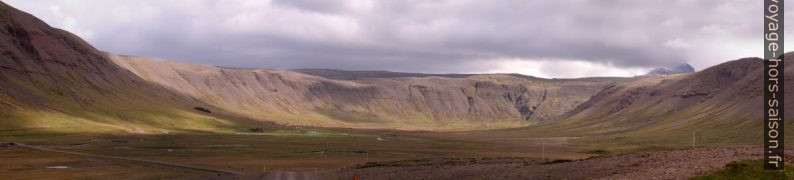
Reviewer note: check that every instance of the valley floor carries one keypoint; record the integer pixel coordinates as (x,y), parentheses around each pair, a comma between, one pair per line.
(675,164)
(314,153)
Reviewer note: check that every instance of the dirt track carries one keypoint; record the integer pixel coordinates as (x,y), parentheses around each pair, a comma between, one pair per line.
(288,175)
(160,163)
(270,175)
(677,164)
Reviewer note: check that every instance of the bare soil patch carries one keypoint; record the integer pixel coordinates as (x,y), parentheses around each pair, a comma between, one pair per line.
(676,164)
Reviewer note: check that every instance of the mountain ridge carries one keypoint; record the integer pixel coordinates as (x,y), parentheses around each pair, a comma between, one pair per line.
(721,104)
(53,79)
(419,100)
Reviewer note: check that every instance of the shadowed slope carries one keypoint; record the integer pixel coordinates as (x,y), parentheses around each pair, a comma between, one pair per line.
(52,79)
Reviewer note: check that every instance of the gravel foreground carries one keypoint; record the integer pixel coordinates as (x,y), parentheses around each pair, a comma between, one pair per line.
(675,164)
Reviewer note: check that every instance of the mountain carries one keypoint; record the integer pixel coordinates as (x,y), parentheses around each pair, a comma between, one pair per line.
(357,75)
(54,81)
(683,68)
(369,99)
(722,102)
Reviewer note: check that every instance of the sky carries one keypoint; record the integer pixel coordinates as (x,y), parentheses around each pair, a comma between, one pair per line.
(552,39)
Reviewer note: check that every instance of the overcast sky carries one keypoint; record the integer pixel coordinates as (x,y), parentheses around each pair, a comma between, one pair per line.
(545,38)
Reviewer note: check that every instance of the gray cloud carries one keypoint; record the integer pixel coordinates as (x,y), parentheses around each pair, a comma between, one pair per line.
(415,35)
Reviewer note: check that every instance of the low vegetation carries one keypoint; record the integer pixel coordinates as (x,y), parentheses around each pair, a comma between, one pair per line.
(748,169)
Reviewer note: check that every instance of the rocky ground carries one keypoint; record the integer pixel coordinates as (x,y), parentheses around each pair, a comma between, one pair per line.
(676,164)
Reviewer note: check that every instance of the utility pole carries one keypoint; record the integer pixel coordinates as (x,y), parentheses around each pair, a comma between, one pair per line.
(693,139)
(543,149)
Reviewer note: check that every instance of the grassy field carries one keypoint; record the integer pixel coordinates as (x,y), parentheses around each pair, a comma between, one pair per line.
(293,149)
(253,147)
(304,149)
(21,163)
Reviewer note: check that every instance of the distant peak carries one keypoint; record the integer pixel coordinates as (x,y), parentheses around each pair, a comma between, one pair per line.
(686,67)
(683,68)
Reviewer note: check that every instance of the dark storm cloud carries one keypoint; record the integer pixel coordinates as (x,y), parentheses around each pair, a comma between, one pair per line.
(415,35)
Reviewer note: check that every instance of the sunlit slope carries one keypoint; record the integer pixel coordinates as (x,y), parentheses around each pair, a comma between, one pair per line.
(54,81)
(722,105)
(372,99)
(51,80)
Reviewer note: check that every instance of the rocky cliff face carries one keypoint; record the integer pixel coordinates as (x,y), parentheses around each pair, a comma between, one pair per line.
(371,99)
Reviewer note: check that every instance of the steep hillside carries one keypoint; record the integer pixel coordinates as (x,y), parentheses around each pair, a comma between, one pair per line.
(55,81)
(372,99)
(52,80)
(721,103)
